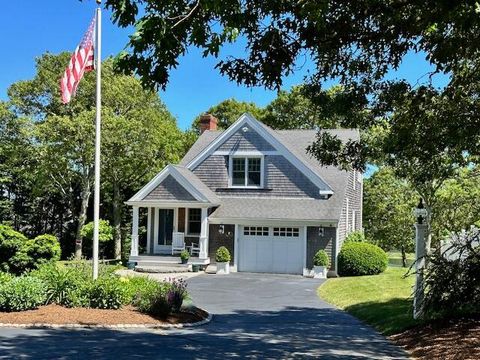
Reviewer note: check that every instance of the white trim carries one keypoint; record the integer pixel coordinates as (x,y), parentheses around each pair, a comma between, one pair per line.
(149,227)
(187,233)
(162,175)
(246,157)
(169,204)
(273,222)
(235,246)
(304,240)
(245,152)
(282,149)
(156,224)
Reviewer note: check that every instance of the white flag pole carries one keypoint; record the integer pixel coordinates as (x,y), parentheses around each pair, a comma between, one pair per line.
(96,201)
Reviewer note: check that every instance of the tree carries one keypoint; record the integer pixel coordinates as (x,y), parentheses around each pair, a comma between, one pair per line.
(228,111)
(388,212)
(138,134)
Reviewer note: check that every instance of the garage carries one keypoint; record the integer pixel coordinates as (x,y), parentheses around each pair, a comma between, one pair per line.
(271,249)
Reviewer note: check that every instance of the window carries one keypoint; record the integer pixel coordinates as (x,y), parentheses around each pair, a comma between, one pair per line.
(194,222)
(286,231)
(246,171)
(255,230)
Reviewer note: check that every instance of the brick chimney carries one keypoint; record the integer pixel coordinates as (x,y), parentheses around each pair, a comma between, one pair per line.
(208,122)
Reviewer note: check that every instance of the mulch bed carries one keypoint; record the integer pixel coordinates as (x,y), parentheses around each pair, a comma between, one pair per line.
(448,339)
(55,314)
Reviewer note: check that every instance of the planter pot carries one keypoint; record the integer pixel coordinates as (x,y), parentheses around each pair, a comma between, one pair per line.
(131,265)
(320,272)
(184,261)
(223,268)
(195,267)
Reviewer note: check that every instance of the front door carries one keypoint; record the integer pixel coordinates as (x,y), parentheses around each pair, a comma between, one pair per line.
(163,241)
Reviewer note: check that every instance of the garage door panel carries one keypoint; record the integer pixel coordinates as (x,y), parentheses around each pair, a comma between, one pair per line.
(274,254)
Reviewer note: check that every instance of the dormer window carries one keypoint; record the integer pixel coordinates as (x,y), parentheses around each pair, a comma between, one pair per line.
(246,171)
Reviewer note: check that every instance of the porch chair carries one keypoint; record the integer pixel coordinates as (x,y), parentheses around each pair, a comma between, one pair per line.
(194,249)
(178,242)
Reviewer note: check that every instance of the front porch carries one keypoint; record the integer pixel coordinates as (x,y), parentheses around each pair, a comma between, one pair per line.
(169,230)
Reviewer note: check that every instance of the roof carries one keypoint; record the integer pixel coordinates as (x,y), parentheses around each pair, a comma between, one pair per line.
(297,142)
(275,209)
(187,179)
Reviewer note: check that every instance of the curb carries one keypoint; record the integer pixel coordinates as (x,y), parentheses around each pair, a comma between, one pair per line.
(105,326)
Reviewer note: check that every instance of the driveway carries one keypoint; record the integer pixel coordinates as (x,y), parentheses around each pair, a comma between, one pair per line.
(255,316)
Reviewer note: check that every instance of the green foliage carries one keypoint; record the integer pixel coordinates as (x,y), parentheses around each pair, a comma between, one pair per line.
(11,242)
(107,293)
(355,236)
(321,259)
(22,293)
(5,277)
(184,255)
(359,258)
(153,300)
(222,254)
(19,254)
(452,283)
(105,231)
(228,111)
(137,289)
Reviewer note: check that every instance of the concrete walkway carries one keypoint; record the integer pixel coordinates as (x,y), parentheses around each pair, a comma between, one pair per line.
(255,317)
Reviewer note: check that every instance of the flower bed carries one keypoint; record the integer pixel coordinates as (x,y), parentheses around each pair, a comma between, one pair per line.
(68,295)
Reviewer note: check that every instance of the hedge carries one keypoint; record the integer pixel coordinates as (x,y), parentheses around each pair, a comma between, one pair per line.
(359,258)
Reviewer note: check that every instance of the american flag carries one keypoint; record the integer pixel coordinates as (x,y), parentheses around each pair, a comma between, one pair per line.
(82,60)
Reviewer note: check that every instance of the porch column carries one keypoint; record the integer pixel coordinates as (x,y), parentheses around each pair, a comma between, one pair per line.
(134,245)
(204,235)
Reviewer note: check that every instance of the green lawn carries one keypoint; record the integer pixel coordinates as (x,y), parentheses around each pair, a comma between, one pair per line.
(395,258)
(383,301)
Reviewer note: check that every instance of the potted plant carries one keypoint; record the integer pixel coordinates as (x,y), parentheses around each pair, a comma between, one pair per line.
(222,258)
(320,264)
(184,256)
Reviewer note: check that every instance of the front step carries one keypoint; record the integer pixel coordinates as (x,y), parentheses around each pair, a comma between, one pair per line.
(183,268)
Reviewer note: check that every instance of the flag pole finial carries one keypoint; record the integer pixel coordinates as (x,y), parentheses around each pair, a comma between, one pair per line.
(99,2)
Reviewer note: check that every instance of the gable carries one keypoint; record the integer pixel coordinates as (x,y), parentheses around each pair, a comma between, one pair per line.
(169,189)
(245,139)
(248,135)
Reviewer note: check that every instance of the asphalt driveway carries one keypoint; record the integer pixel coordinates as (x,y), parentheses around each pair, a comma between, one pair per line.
(255,316)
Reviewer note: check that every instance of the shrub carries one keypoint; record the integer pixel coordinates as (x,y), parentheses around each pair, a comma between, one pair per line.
(22,293)
(184,255)
(452,280)
(138,287)
(5,277)
(63,285)
(355,236)
(321,258)
(18,254)
(153,300)
(222,254)
(11,242)
(107,293)
(35,252)
(360,258)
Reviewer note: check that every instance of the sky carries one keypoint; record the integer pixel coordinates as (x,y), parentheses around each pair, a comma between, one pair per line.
(32,27)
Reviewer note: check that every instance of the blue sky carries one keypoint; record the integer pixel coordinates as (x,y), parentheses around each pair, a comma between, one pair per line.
(32,27)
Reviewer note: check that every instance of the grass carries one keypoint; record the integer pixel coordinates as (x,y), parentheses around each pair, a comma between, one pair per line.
(383,301)
(395,258)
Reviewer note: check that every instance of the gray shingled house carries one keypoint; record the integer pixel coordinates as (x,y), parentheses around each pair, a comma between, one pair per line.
(254,190)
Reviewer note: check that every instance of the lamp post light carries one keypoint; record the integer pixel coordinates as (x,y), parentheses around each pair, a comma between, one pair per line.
(421,228)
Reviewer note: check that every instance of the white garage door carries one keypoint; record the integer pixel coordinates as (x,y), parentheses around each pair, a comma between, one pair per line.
(270,249)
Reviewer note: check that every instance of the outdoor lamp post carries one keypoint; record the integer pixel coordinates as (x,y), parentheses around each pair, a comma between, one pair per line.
(421,227)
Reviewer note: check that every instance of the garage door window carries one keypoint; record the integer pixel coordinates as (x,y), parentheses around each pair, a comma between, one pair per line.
(255,230)
(286,231)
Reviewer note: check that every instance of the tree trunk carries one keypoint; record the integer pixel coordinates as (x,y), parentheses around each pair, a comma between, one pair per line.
(404,256)
(117,221)
(82,217)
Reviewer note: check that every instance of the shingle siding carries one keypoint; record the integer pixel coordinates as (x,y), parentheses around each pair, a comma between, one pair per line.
(215,240)
(282,179)
(169,189)
(353,220)
(317,242)
(246,140)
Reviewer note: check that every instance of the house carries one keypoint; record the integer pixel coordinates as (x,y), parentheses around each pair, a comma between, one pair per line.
(257,192)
